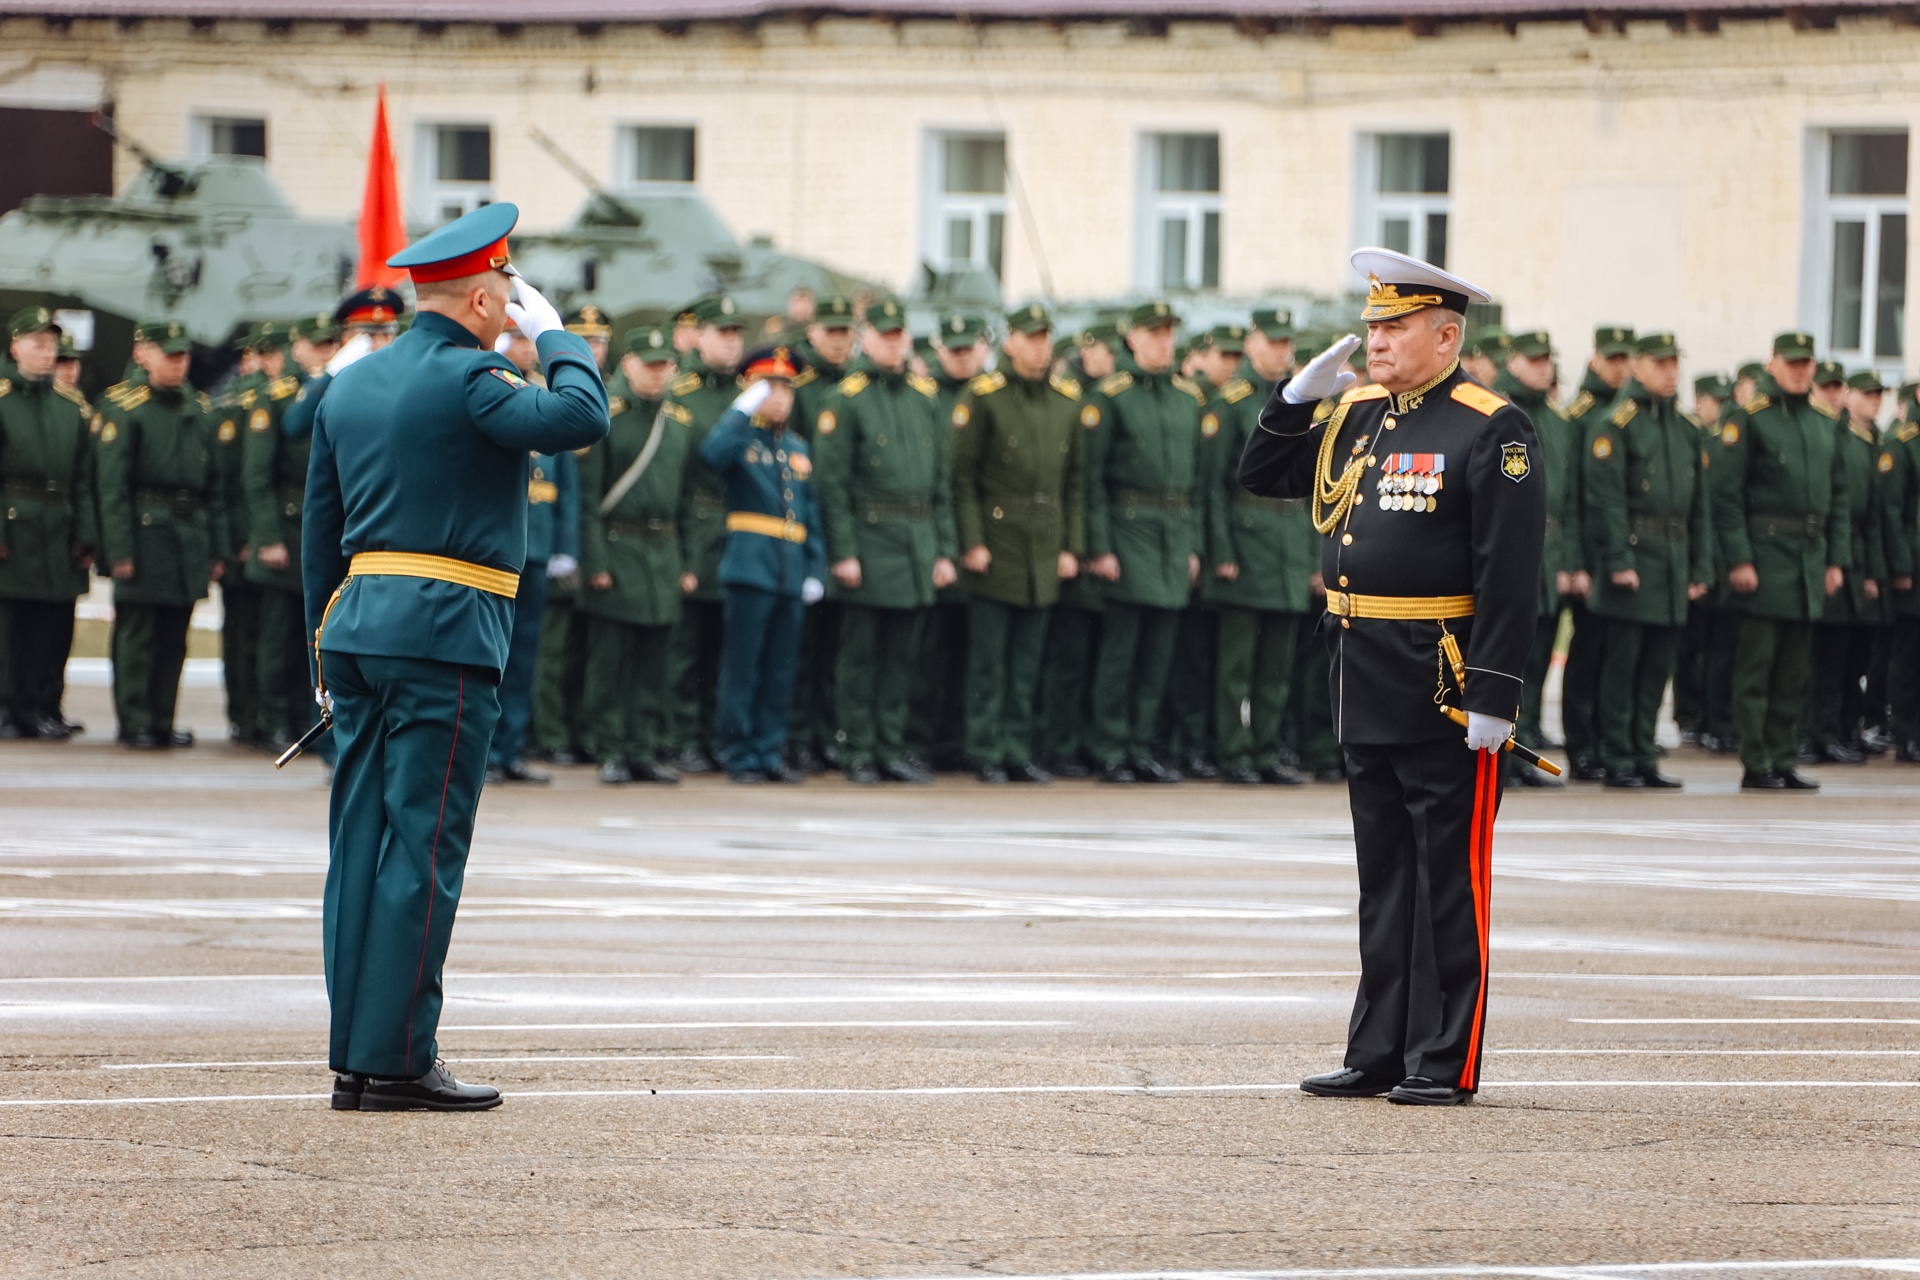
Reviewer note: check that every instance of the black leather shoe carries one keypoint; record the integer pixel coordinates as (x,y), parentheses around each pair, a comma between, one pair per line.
(1651,775)
(1347,1082)
(1028,771)
(1871,743)
(520,771)
(1725,747)
(1201,769)
(435,1091)
(1841,753)
(182,738)
(1117,773)
(566,758)
(1071,769)
(695,761)
(745,776)
(1908,753)
(612,772)
(1418,1091)
(804,759)
(1625,781)
(347,1088)
(1281,775)
(1239,775)
(1586,769)
(1527,776)
(141,742)
(786,776)
(991,774)
(654,771)
(1791,780)
(1154,771)
(1762,780)
(862,774)
(10,732)
(47,729)
(901,771)
(75,728)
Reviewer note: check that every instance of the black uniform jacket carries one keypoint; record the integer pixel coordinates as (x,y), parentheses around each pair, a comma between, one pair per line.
(1452,502)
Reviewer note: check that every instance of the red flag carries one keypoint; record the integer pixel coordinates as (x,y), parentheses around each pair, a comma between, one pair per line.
(383,232)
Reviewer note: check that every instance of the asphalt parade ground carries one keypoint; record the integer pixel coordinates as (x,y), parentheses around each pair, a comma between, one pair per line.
(829,1031)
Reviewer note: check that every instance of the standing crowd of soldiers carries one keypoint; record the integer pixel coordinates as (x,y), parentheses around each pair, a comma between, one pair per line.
(1038,560)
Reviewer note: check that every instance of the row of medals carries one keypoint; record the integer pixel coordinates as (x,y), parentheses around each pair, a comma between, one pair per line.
(1408,492)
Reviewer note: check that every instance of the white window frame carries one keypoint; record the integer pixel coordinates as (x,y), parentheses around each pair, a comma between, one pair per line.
(200,134)
(1155,208)
(623,159)
(1373,208)
(940,207)
(436,195)
(1823,212)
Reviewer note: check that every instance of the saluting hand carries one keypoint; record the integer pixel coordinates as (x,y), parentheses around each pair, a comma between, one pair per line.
(1325,375)
(531,313)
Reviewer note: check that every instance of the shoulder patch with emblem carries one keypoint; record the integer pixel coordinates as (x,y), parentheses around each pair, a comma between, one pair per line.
(1372,391)
(1089,416)
(1209,425)
(1885,464)
(1730,434)
(853,384)
(1623,413)
(109,433)
(827,423)
(1236,391)
(259,420)
(512,379)
(987,383)
(1065,386)
(1513,458)
(1114,383)
(686,384)
(1603,447)
(961,416)
(925,386)
(1480,400)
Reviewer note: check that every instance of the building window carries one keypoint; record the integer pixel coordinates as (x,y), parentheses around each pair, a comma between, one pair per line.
(965,224)
(1864,244)
(1179,240)
(229,136)
(1406,193)
(456,168)
(657,153)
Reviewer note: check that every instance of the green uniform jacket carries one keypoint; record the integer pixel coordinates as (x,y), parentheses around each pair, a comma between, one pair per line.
(811,391)
(1646,509)
(229,457)
(1271,540)
(1144,487)
(46,485)
(1585,413)
(883,479)
(1899,470)
(273,480)
(1019,485)
(1857,456)
(640,541)
(1781,503)
(162,503)
(705,395)
(1558,449)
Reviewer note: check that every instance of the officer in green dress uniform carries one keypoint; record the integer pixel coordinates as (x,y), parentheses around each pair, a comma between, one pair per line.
(706,385)
(1586,648)
(1780,511)
(1898,468)
(632,491)
(1525,378)
(883,481)
(47,533)
(552,568)
(414,540)
(1143,536)
(1019,505)
(771,569)
(273,482)
(813,735)
(1256,568)
(1844,637)
(1648,538)
(364,321)
(163,528)
(1710,392)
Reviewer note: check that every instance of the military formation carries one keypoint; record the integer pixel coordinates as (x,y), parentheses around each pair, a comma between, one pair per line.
(1035,556)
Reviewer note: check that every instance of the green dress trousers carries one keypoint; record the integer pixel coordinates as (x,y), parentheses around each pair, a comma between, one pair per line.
(1004,647)
(873,684)
(1772,664)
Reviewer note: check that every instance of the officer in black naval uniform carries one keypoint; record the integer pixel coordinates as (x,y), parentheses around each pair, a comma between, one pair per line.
(1428,489)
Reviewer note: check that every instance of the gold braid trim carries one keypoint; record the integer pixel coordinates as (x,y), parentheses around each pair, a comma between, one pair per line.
(1408,401)
(1333,499)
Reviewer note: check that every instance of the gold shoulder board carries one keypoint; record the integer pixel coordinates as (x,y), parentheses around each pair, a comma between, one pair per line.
(807,376)
(1065,386)
(1479,399)
(1624,413)
(987,383)
(1236,391)
(615,406)
(1580,404)
(6,386)
(1756,404)
(679,413)
(1114,383)
(925,386)
(1906,431)
(66,392)
(686,384)
(1372,391)
(1192,388)
(135,398)
(282,387)
(246,398)
(1822,410)
(205,403)
(1324,410)
(853,384)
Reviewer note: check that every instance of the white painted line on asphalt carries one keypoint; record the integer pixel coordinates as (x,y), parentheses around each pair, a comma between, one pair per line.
(524,1057)
(1842,999)
(1041,975)
(1743,1022)
(1547,1271)
(1720,1053)
(674,1026)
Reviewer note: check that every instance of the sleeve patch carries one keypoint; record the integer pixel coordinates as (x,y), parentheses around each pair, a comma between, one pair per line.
(1210,425)
(827,423)
(1730,434)
(1481,400)
(513,380)
(1090,416)
(228,431)
(109,433)
(259,420)
(1886,462)
(1513,456)
(1603,447)
(962,415)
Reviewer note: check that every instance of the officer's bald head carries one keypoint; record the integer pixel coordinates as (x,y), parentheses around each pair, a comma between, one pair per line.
(478,303)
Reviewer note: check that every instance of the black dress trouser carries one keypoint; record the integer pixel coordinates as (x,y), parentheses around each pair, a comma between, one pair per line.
(1423,832)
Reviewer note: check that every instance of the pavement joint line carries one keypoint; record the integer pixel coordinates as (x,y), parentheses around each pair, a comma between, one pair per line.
(1035,974)
(926,1091)
(699,1026)
(1732,1022)
(1721,1053)
(590,1057)
(1600,1271)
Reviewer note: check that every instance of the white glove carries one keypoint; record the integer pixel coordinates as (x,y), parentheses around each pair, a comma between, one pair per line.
(501,343)
(753,397)
(533,314)
(1487,733)
(812,592)
(1325,375)
(361,345)
(559,566)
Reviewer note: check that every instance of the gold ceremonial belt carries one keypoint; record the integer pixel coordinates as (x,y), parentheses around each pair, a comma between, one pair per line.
(770,526)
(407,564)
(1343,604)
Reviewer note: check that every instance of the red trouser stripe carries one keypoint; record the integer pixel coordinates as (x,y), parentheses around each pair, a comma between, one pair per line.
(1480,870)
(433,867)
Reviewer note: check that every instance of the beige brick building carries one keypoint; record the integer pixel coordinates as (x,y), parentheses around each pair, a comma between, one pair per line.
(1723,177)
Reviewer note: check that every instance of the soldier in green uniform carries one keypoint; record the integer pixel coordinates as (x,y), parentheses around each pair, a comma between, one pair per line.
(1844,637)
(1586,649)
(47,536)
(1143,537)
(241,597)
(812,734)
(163,529)
(1898,468)
(1525,379)
(1256,567)
(705,386)
(1019,507)
(590,322)
(273,482)
(632,489)
(1780,510)
(1710,392)
(884,485)
(1829,391)
(1485,355)
(1648,540)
